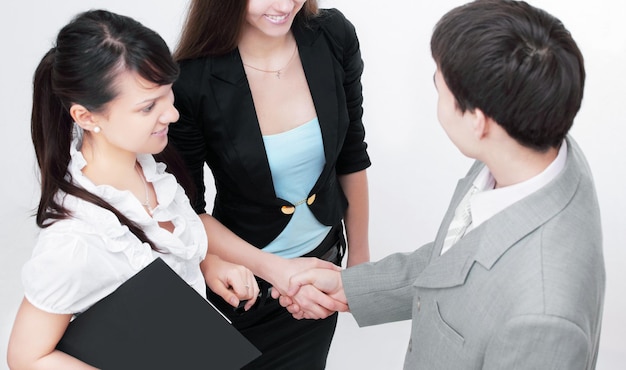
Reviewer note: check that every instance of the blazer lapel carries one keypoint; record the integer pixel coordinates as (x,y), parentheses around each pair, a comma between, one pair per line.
(520,219)
(242,128)
(317,62)
(461,189)
(240,121)
(451,268)
(489,241)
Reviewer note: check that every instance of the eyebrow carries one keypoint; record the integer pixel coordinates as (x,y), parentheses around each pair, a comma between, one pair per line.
(154,97)
(151,99)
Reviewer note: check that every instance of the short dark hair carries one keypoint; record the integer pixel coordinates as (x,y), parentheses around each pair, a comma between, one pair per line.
(516,63)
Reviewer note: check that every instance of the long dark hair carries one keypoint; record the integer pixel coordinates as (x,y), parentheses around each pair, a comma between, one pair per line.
(90,52)
(213,27)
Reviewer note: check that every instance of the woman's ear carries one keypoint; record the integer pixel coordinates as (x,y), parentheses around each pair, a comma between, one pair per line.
(84,118)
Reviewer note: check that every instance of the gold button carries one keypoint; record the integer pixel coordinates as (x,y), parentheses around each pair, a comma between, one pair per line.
(311,199)
(288,210)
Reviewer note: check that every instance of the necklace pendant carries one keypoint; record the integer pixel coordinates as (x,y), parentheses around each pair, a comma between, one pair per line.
(278,74)
(147,207)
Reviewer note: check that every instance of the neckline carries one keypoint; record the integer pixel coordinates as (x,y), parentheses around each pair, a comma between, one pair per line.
(291,130)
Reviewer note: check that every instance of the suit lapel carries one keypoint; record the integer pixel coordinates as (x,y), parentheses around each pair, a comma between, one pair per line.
(317,63)
(462,187)
(451,269)
(240,122)
(489,241)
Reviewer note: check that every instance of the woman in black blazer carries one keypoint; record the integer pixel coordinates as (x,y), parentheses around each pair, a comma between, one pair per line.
(257,78)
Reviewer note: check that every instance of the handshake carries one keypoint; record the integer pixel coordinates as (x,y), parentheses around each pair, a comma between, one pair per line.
(314,292)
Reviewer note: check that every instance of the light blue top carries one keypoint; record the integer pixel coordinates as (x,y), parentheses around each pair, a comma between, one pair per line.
(296,159)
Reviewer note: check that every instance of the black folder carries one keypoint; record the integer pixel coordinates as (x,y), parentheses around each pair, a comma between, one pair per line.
(155,320)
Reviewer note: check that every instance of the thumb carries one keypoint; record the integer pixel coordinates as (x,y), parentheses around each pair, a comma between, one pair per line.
(298,280)
(321,264)
(275,293)
(226,294)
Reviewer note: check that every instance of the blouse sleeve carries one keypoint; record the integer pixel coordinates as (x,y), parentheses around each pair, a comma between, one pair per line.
(65,275)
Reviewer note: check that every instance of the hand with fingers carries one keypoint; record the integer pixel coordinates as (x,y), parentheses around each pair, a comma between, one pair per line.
(314,293)
(234,283)
(316,301)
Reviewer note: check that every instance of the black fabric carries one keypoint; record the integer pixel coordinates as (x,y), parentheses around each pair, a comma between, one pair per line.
(287,343)
(218,126)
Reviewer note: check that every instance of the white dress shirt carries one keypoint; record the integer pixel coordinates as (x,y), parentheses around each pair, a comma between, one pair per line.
(489,201)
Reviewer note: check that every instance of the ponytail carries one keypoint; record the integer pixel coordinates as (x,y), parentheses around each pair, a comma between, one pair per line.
(51,131)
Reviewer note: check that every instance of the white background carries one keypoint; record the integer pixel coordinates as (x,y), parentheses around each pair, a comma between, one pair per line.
(415,167)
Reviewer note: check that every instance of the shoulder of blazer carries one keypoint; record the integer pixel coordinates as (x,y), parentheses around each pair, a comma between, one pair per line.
(191,70)
(338,30)
(488,242)
(196,73)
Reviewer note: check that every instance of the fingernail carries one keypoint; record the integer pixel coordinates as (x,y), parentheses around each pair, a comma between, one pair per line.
(234,301)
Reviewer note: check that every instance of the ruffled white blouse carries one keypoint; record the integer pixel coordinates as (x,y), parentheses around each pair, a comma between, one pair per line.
(82,259)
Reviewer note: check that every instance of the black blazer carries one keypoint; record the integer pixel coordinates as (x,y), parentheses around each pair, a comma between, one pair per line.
(218,125)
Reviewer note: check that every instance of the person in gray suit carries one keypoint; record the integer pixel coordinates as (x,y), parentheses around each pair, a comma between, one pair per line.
(522,286)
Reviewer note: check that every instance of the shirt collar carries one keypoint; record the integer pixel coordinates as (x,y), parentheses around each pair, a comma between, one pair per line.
(488,201)
(165,184)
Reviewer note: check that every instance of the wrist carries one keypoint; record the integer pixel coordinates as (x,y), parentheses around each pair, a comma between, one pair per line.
(268,265)
(207,261)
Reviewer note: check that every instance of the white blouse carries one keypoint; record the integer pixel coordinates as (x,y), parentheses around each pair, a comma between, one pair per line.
(82,259)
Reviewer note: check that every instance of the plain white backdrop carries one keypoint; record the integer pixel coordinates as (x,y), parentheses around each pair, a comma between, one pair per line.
(415,167)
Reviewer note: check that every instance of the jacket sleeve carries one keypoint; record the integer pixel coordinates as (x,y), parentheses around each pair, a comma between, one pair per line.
(186,135)
(353,156)
(380,292)
(539,342)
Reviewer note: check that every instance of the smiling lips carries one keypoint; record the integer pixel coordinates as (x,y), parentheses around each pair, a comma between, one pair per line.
(277,19)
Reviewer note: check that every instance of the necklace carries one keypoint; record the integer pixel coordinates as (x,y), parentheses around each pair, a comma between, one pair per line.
(146,204)
(277,71)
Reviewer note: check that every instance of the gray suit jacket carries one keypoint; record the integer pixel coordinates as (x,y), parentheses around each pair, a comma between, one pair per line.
(523,290)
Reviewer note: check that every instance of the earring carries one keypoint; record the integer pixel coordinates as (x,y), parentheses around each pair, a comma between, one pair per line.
(96,129)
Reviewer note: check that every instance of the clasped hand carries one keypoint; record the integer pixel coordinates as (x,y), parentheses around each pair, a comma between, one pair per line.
(313,289)
(232,282)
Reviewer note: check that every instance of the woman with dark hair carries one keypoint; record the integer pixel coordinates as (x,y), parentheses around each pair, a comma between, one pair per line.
(102,105)
(270,99)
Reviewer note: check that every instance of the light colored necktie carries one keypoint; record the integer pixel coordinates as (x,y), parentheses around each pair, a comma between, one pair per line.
(461,221)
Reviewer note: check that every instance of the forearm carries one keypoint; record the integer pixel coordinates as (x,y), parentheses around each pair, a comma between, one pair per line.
(382,291)
(54,360)
(33,340)
(230,247)
(274,269)
(356,219)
